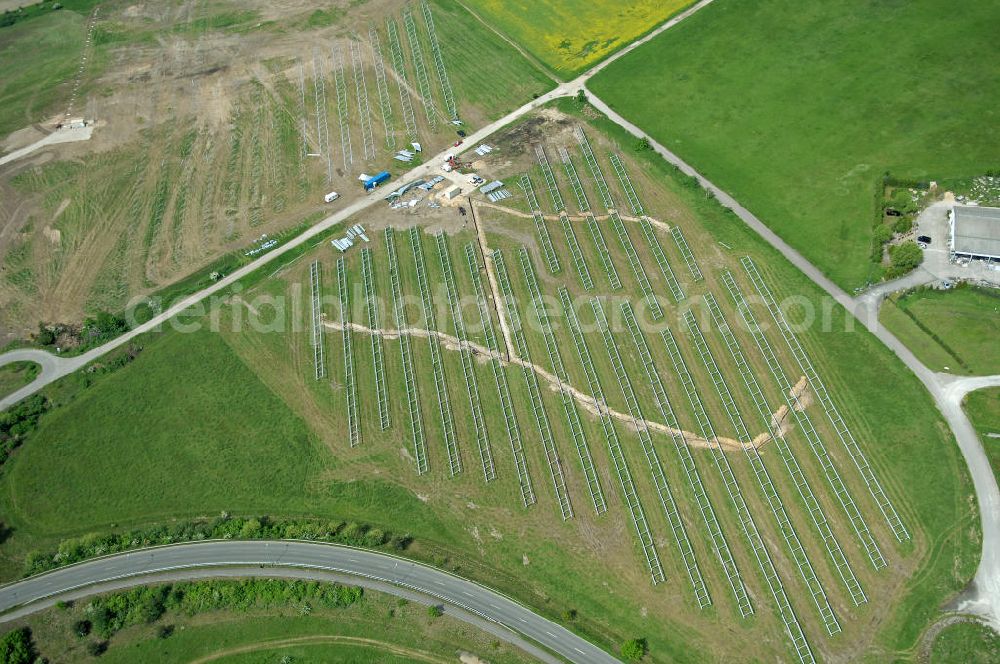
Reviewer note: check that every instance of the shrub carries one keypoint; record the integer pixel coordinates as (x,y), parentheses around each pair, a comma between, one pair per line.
(903,258)
(17,647)
(82,628)
(223,527)
(902,225)
(141,605)
(45,336)
(17,422)
(634,649)
(642,145)
(882,234)
(97,648)
(373,538)
(902,202)
(435,611)
(103,326)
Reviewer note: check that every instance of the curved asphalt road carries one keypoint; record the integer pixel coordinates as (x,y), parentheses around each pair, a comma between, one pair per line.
(258,557)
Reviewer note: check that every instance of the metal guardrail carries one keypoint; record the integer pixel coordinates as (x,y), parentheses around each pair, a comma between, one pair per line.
(378,353)
(637,269)
(832,413)
(562,377)
(782,603)
(350,379)
(382,85)
(399,66)
(805,490)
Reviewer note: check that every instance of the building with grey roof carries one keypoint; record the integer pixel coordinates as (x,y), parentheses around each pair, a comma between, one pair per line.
(975,232)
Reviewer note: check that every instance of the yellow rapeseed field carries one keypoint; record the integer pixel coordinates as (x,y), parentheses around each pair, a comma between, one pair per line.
(570,35)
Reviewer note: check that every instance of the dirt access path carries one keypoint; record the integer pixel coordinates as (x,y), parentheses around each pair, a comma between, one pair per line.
(391,648)
(587,401)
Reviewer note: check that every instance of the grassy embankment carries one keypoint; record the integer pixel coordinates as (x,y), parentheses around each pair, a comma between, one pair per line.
(798,109)
(965,643)
(954,331)
(378,628)
(16,375)
(983,408)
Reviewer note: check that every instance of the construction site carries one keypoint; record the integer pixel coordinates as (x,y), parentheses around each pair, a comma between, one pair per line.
(579,352)
(227,130)
(600,392)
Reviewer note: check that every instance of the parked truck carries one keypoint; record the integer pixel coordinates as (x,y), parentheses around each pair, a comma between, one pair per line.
(376,180)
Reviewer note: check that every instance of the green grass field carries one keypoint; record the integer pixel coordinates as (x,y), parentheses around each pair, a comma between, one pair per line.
(201,433)
(983,408)
(39,56)
(16,375)
(570,36)
(204,422)
(509,81)
(952,330)
(798,108)
(965,643)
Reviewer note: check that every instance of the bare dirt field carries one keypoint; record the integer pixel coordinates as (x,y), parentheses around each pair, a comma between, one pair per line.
(216,124)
